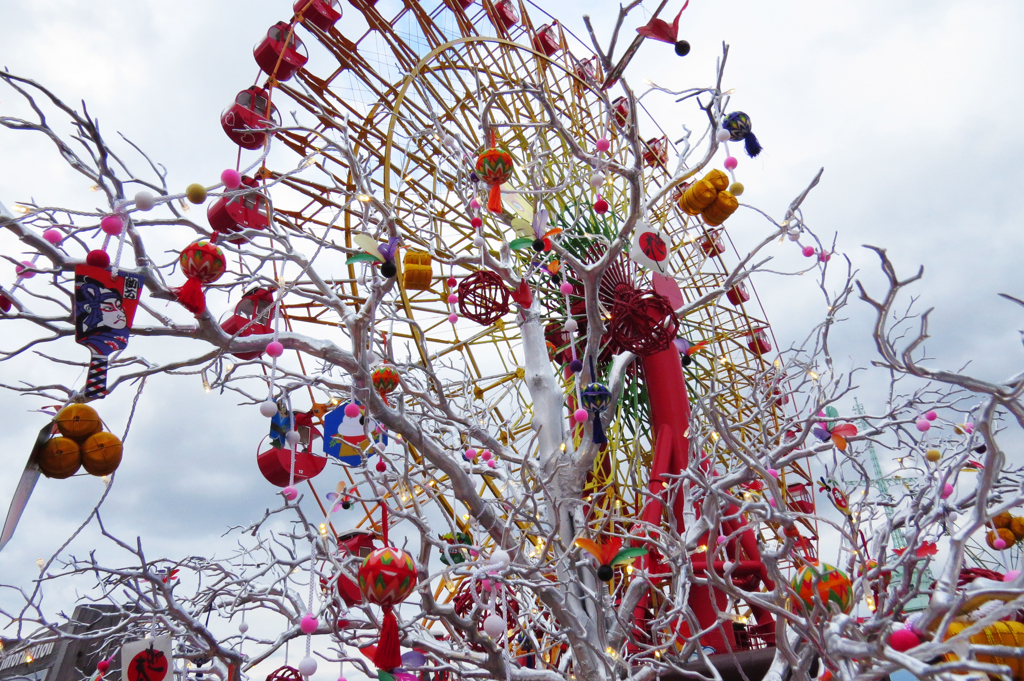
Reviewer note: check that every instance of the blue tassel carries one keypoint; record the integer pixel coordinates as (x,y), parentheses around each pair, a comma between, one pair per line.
(598,437)
(752,145)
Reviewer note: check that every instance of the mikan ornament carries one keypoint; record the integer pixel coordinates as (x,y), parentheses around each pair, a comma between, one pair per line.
(60,458)
(78,421)
(1003,534)
(101,454)
(385,379)
(832,584)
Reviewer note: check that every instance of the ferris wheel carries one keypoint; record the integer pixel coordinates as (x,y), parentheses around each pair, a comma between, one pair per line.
(406,88)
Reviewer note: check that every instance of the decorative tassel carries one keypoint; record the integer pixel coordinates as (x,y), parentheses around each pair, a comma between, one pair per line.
(494,199)
(753,147)
(388,655)
(598,431)
(191,296)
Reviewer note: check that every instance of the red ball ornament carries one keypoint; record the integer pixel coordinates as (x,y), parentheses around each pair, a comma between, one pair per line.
(386,577)
(494,167)
(642,322)
(202,263)
(903,640)
(483,297)
(600,206)
(98,258)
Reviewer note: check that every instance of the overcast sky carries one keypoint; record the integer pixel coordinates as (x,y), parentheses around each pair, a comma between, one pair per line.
(912,108)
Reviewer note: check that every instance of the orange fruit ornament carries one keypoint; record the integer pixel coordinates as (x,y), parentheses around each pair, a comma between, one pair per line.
(78,421)
(101,454)
(60,458)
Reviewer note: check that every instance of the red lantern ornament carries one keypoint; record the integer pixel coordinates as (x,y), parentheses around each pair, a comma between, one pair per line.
(494,167)
(483,298)
(386,577)
(202,263)
(251,318)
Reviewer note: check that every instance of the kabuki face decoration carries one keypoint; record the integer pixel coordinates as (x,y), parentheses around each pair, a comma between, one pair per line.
(104,309)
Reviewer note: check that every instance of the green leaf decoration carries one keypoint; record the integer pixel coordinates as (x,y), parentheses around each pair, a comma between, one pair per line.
(626,556)
(384,676)
(520,244)
(363,257)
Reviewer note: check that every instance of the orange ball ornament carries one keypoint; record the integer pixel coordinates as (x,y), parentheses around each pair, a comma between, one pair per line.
(78,421)
(101,454)
(60,458)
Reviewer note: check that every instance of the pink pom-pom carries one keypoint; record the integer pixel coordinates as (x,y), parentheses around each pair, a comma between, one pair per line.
(947,490)
(565,287)
(22,270)
(722,540)
(774,472)
(486,455)
(53,236)
(808,251)
(290,493)
(903,640)
(452,282)
(603,144)
(308,624)
(453,317)
(102,666)
(999,544)
(824,256)
(923,425)
(969,427)
(1011,575)
(351,410)
(931,416)
(580,415)
(275,349)
(771,501)
(469,455)
(453,298)
(98,258)
(492,463)
(731,163)
(231,179)
(600,206)
(112,225)
(381,466)
(474,204)
(476,222)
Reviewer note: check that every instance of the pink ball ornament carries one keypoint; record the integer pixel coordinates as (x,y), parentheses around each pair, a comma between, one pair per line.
(1011,575)
(308,624)
(774,472)
(731,163)
(102,666)
(923,425)
(231,178)
(112,225)
(931,416)
(351,410)
(722,540)
(22,270)
(477,223)
(969,427)
(453,298)
(808,251)
(771,501)
(98,258)
(275,349)
(947,490)
(565,287)
(469,454)
(824,256)
(453,317)
(53,236)
(580,415)
(603,144)
(903,640)
(486,455)
(290,493)
(474,204)
(381,466)
(999,544)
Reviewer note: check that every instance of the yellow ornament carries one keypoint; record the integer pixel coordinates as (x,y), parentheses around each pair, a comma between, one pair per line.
(195,193)
(60,458)
(933,455)
(78,421)
(736,188)
(101,454)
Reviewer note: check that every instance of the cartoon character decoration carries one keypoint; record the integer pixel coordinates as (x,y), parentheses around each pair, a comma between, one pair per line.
(378,254)
(832,585)
(650,248)
(828,430)
(346,438)
(609,555)
(386,578)
(459,546)
(836,495)
(104,312)
(202,263)
(661,30)
(494,167)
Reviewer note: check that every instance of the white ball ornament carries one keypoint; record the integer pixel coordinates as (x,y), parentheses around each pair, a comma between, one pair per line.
(243,627)
(596,180)
(292,437)
(723,135)
(307,666)
(450,142)
(571,325)
(268,408)
(500,558)
(495,627)
(145,201)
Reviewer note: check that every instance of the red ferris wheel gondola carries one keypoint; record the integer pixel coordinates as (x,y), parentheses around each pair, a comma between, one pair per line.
(250,210)
(252,317)
(247,118)
(321,13)
(281,53)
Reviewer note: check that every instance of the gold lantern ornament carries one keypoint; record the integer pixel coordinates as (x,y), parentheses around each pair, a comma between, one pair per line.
(1009,634)
(417,271)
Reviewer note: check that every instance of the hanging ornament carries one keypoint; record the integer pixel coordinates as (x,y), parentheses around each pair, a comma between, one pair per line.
(346,438)
(594,398)
(830,430)
(386,577)
(494,167)
(661,30)
(643,322)
(460,544)
(701,194)
(378,254)
(483,297)
(831,584)
(104,311)
(688,350)
(285,673)
(385,380)
(202,263)
(650,248)
(609,555)
(738,125)
(540,237)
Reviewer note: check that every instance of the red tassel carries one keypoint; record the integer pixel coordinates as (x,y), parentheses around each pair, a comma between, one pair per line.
(389,652)
(191,296)
(494,199)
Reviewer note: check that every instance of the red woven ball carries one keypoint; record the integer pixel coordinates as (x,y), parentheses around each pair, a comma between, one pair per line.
(642,322)
(483,298)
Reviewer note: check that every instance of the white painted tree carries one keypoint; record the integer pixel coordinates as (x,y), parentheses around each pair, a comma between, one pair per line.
(704,476)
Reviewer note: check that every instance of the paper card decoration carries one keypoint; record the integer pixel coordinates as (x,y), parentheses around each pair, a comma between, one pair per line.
(147,660)
(344,436)
(650,249)
(104,312)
